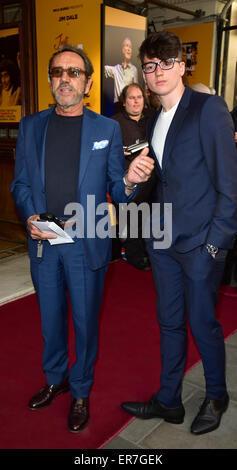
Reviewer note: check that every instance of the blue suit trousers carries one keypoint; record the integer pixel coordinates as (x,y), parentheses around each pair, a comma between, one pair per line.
(62,271)
(187,286)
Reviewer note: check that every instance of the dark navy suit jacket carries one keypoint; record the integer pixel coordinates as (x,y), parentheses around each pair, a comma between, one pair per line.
(199,172)
(101,171)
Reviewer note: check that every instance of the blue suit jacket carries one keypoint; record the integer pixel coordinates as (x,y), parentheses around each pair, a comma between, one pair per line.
(101,171)
(199,172)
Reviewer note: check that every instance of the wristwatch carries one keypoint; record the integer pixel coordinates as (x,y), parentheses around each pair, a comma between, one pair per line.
(213,250)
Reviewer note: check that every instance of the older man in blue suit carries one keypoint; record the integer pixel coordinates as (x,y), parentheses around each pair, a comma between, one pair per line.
(63,155)
(192,142)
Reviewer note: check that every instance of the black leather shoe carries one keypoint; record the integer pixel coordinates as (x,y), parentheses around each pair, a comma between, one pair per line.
(141,263)
(47,394)
(78,416)
(154,409)
(209,416)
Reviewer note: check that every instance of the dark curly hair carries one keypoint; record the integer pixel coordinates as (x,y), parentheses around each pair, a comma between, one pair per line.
(162,44)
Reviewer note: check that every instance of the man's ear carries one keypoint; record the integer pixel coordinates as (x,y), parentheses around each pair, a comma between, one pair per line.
(88,85)
(182,67)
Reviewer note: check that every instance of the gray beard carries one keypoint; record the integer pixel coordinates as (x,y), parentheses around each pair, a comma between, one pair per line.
(78,98)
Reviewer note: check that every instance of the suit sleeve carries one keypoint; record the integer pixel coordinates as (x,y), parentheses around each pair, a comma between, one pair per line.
(20,188)
(116,168)
(217,137)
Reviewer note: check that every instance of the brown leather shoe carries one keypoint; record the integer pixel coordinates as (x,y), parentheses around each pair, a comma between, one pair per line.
(47,394)
(78,416)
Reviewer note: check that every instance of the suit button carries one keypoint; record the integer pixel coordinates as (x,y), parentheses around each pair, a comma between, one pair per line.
(165,183)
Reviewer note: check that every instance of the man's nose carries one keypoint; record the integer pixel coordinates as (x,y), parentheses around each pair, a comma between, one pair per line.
(158,70)
(65,75)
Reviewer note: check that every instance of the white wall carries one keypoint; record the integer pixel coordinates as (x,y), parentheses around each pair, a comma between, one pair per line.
(175,18)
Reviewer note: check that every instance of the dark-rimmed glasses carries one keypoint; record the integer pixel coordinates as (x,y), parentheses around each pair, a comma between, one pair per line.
(72,72)
(150,67)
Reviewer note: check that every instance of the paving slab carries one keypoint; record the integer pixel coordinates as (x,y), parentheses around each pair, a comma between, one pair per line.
(170,436)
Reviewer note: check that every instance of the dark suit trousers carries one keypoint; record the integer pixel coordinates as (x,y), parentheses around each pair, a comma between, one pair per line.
(187,285)
(63,270)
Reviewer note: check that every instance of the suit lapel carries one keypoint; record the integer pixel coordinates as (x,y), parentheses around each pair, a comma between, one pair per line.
(87,134)
(40,141)
(175,126)
(150,132)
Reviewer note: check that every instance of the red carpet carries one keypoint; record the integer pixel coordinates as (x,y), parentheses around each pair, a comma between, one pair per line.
(128,364)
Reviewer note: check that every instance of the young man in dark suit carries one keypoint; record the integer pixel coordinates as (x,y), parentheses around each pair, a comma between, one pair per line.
(191,139)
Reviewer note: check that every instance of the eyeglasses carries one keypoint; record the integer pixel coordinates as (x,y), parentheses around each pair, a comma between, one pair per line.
(150,67)
(72,72)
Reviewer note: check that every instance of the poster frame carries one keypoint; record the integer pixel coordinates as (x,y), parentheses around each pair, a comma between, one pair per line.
(105,109)
(11,124)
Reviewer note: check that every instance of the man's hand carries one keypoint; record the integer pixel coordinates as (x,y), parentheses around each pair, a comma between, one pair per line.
(236,137)
(36,233)
(140,168)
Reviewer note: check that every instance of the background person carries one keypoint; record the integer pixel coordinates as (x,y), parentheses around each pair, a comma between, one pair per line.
(201,88)
(64,154)
(133,119)
(212,90)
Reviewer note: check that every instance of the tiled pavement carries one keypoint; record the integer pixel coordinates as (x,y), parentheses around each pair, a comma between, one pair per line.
(10,248)
(157,434)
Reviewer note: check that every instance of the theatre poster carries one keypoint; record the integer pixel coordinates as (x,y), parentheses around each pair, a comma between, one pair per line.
(10,76)
(74,22)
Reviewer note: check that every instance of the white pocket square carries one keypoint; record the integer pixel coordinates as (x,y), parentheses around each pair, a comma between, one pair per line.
(100,145)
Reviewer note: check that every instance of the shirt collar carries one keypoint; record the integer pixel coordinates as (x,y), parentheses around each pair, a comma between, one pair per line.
(128,66)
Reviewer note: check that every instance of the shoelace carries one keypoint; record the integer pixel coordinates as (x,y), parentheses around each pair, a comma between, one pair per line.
(79,406)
